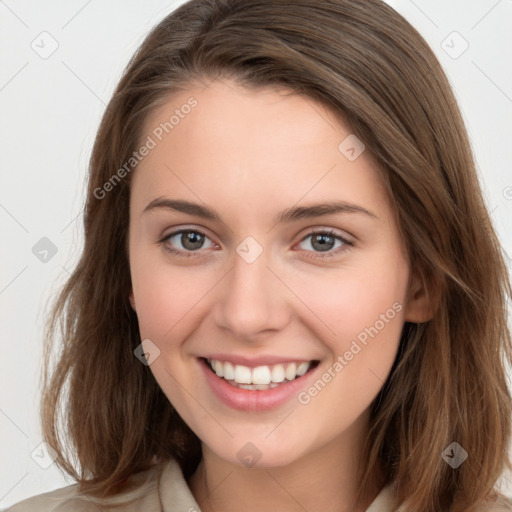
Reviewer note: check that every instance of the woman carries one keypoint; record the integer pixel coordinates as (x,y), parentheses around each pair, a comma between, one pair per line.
(291,295)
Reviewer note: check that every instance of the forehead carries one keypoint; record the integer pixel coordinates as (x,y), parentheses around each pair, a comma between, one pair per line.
(250,146)
(254,116)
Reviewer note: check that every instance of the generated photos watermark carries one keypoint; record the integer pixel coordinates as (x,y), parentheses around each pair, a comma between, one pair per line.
(305,397)
(158,133)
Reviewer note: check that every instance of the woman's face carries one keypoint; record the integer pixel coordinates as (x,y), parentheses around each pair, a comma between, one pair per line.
(290,262)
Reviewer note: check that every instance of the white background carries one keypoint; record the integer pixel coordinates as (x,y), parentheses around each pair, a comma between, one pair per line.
(50,111)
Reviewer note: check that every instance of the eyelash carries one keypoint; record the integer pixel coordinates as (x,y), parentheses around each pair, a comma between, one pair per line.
(190,254)
(329,254)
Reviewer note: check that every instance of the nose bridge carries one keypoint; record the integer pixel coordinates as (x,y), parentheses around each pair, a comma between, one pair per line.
(252,298)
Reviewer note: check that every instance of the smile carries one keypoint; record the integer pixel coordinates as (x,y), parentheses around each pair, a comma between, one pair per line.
(261,377)
(257,388)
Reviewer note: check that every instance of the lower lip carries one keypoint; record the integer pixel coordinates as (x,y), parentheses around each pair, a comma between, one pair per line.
(254,400)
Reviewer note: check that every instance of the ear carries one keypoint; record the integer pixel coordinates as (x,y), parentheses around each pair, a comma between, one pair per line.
(422,301)
(132,301)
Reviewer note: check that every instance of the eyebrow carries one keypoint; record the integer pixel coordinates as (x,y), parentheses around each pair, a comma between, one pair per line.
(286,216)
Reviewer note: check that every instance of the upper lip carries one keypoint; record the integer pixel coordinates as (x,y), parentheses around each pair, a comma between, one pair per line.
(253,362)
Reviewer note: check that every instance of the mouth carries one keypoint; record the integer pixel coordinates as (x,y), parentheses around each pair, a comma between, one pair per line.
(259,378)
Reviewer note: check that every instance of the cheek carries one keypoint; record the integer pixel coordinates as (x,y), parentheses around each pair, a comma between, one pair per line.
(166,296)
(351,302)
(366,314)
(369,303)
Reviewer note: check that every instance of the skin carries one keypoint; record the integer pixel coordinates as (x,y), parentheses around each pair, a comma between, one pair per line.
(249,154)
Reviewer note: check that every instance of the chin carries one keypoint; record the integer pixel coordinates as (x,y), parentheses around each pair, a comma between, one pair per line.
(257,454)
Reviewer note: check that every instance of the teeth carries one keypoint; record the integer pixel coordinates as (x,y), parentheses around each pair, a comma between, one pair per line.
(218,367)
(291,371)
(278,373)
(302,369)
(229,371)
(261,377)
(260,387)
(242,374)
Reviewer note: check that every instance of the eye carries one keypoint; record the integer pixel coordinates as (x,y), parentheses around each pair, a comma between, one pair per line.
(187,241)
(323,241)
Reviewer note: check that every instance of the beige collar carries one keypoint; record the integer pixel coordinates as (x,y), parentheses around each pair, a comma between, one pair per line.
(176,496)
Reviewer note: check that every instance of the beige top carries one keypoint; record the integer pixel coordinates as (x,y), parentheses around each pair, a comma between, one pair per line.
(159,489)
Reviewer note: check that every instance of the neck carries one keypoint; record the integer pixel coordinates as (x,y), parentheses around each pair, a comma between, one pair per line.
(322,480)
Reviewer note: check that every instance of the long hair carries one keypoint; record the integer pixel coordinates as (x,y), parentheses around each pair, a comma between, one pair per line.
(102,410)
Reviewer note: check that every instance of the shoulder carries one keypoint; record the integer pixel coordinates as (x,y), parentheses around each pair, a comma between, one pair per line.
(386,502)
(141,493)
(501,504)
(65,498)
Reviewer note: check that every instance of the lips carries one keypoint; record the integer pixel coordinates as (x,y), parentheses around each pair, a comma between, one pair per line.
(250,395)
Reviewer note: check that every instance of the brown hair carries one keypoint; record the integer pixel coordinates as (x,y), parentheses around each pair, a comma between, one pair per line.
(448,383)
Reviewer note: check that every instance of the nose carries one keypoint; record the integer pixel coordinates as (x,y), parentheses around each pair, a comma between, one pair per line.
(252,300)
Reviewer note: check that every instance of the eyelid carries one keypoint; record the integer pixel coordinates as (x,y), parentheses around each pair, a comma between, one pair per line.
(347,237)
